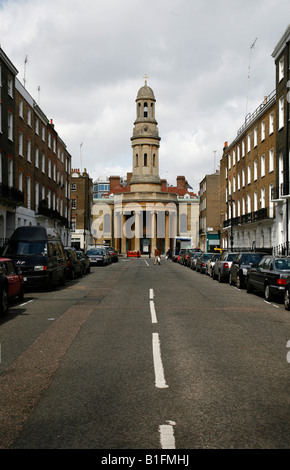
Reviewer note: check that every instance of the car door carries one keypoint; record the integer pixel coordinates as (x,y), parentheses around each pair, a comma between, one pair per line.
(259,274)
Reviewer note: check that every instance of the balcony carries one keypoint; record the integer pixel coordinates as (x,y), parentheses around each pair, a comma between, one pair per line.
(281,192)
(44,211)
(11,195)
(256,216)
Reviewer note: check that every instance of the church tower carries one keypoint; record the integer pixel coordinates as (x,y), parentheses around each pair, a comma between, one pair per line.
(145,143)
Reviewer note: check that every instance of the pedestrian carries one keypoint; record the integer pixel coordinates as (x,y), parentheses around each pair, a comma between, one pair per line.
(169,254)
(157,256)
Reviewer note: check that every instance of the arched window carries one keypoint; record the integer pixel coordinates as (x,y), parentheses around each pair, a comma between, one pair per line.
(139,110)
(137,164)
(152,110)
(154,159)
(145,159)
(145,110)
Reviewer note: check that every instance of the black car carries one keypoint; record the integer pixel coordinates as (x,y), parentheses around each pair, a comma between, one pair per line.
(86,265)
(270,276)
(113,254)
(74,265)
(240,267)
(287,294)
(201,262)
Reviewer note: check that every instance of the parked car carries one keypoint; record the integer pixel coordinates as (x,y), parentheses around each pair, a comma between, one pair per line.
(222,266)
(240,267)
(86,265)
(210,263)
(3,293)
(287,294)
(194,259)
(185,255)
(201,262)
(15,278)
(39,252)
(98,256)
(270,276)
(113,254)
(74,265)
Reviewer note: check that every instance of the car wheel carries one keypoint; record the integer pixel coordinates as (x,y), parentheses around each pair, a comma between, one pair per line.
(3,301)
(268,295)
(287,299)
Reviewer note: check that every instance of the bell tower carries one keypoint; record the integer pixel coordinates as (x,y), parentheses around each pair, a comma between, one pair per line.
(145,143)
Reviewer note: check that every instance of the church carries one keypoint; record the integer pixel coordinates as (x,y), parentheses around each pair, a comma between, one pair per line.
(146,212)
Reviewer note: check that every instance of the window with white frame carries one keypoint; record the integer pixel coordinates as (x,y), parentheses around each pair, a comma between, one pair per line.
(271,204)
(43,133)
(249,174)
(229,161)
(243,177)
(10,86)
(21,108)
(238,153)
(29,117)
(281,69)
(36,157)
(263,198)
(281,112)
(49,198)
(249,208)
(239,207)
(271,123)
(28,150)
(262,166)
(255,170)
(243,148)
(37,126)
(43,193)
(255,137)
(239,181)
(234,157)
(54,172)
(263,130)
(10,125)
(20,181)
(243,206)
(255,201)
(36,195)
(271,160)
(20,144)
(234,184)
(49,139)
(249,143)
(49,168)
(28,192)
(43,163)
(230,187)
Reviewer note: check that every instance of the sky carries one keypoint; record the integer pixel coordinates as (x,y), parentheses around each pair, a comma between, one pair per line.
(208,62)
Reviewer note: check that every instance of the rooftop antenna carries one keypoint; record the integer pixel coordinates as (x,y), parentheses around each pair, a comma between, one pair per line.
(249,72)
(38,94)
(81,157)
(24,78)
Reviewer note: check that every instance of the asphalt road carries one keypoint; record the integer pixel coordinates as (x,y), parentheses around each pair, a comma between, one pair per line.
(137,356)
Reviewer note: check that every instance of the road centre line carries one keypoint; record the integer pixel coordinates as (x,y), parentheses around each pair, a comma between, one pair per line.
(158,366)
(28,302)
(151,294)
(153,312)
(167,439)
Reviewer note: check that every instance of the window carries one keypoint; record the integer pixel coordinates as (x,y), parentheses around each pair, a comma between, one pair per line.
(281,112)
(137,163)
(281,69)
(37,157)
(234,184)
(229,161)
(54,172)
(255,170)
(29,117)
(49,140)
(255,201)
(10,125)
(28,150)
(37,126)
(36,195)
(249,208)
(145,159)
(20,179)
(21,108)
(271,204)
(243,148)
(263,198)
(238,153)
(249,143)
(249,174)
(10,86)
(28,192)
(20,144)
(243,177)
(262,166)
(255,137)
(271,160)
(145,110)
(43,163)
(10,172)
(49,168)
(262,131)
(243,206)
(271,123)
(43,133)
(239,180)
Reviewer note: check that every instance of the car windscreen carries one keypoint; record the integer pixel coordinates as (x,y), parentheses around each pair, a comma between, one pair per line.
(95,252)
(26,248)
(282,264)
(231,256)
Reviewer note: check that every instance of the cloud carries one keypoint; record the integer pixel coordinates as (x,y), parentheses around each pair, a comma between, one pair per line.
(89,58)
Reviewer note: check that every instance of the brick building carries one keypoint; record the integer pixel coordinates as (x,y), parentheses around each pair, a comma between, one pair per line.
(281,193)
(35,164)
(248,176)
(81,209)
(209,212)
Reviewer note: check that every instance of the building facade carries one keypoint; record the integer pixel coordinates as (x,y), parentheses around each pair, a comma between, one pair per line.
(281,192)
(146,213)
(81,209)
(35,164)
(248,176)
(209,215)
